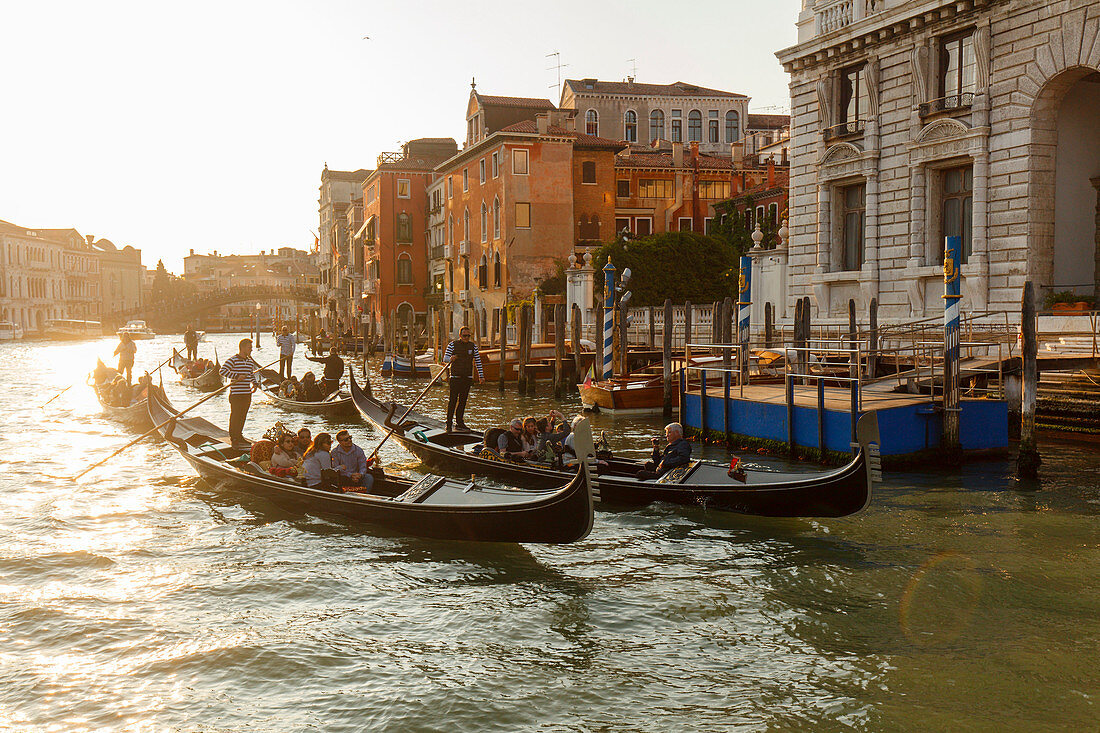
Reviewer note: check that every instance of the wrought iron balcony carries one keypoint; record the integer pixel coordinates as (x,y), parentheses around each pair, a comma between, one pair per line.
(949,103)
(851,128)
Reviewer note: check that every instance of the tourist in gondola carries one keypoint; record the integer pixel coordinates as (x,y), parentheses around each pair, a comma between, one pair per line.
(289,388)
(191,341)
(463,356)
(351,462)
(125,351)
(677,452)
(304,440)
(316,461)
(286,342)
(334,371)
(244,377)
(308,391)
(510,442)
(285,459)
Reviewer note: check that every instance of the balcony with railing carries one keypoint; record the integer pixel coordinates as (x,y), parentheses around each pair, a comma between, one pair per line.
(437,252)
(950,103)
(448,251)
(834,15)
(464,249)
(463,295)
(844,131)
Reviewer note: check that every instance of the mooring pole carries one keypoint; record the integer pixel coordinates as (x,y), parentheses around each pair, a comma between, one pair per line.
(559,350)
(608,319)
(744,305)
(726,336)
(952,285)
(666,354)
(769,324)
(531,375)
(1027,460)
(576,339)
(502,361)
(872,340)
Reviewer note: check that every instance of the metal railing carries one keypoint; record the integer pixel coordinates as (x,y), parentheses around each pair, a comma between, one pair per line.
(965,100)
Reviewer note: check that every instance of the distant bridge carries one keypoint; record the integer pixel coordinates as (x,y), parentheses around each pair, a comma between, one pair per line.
(181,310)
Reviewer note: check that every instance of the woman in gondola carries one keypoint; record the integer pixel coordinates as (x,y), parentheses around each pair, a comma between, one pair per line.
(284,459)
(308,391)
(317,461)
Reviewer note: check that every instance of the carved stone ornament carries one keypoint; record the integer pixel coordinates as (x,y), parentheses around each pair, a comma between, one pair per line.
(839,153)
(919,59)
(981,56)
(944,129)
(824,102)
(871,77)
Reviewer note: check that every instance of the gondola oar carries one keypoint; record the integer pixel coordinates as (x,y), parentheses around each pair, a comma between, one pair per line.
(414,404)
(161,425)
(55,396)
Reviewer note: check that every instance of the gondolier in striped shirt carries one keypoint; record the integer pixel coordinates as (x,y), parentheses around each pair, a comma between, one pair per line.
(286,343)
(463,356)
(245,377)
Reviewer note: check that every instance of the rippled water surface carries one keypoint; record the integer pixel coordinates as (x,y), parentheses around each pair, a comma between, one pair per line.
(141,599)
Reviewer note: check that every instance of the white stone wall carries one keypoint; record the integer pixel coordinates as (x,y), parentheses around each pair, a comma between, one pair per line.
(1032,53)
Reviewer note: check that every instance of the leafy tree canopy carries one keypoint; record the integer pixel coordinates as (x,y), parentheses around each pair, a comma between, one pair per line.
(677,265)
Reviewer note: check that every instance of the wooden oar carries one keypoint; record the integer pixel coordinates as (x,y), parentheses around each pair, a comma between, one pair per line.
(402,418)
(161,425)
(55,396)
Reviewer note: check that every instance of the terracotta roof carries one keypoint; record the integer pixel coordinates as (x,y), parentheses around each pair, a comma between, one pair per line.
(768,122)
(675,89)
(581,139)
(658,159)
(359,175)
(526,102)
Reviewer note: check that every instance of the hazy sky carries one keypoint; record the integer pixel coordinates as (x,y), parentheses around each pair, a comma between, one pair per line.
(206,125)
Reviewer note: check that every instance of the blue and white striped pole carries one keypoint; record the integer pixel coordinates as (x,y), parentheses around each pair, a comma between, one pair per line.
(952,287)
(608,318)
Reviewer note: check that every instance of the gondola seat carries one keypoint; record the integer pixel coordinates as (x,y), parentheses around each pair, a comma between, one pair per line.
(679,474)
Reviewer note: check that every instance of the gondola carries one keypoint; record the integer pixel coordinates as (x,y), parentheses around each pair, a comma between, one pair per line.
(337,404)
(135,414)
(208,381)
(432,506)
(836,493)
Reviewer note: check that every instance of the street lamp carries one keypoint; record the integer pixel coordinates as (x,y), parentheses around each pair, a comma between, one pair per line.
(257,325)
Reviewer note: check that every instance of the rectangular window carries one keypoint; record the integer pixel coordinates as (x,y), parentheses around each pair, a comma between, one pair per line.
(654,188)
(519,162)
(773,214)
(450,187)
(677,127)
(853,200)
(684,224)
(708,225)
(853,94)
(714,190)
(496,165)
(621,224)
(465,179)
(404,188)
(956,73)
(712,126)
(523,215)
(957,207)
(370,194)
(404,271)
(481,170)
(643,226)
(588,172)
(622,189)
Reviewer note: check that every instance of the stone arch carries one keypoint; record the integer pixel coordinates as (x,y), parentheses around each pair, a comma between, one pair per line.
(1043,160)
(839,152)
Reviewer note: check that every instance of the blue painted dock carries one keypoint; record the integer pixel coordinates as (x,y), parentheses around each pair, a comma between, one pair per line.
(908,424)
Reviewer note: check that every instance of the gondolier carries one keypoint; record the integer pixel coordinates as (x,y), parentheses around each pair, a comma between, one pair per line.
(463,356)
(125,351)
(286,343)
(245,377)
(191,341)
(334,370)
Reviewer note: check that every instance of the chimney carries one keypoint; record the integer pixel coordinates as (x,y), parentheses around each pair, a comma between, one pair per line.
(192,251)
(694,148)
(542,123)
(677,155)
(783,158)
(771,173)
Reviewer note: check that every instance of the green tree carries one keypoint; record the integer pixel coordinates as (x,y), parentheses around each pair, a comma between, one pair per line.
(161,283)
(677,265)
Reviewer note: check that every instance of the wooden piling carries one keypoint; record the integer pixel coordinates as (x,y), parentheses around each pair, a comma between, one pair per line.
(521,350)
(798,339)
(1027,460)
(687,334)
(624,340)
(652,329)
(726,335)
(666,364)
(502,371)
(559,350)
(769,325)
(872,340)
(853,331)
(575,378)
(529,340)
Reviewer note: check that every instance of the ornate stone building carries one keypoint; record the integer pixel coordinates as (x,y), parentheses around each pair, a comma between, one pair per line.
(913,120)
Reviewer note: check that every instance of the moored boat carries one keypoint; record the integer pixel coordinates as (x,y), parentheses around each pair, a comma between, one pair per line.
(336,404)
(10,331)
(208,380)
(69,328)
(840,492)
(401,366)
(433,506)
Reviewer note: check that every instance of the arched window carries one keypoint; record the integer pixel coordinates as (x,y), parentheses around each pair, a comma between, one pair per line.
(450,277)
(733,127)
(404,228)
(484,222)
(496,218)
(450,229)
(483,273)
(496,270)
(695,126)
(466,225)
(404,270)
(630,126)
(592,122)
(466,273)
(656,125)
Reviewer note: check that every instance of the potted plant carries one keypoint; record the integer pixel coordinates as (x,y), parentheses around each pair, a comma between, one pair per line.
(1061,301)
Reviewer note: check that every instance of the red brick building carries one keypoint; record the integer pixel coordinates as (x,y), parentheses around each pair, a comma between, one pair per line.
(393,238)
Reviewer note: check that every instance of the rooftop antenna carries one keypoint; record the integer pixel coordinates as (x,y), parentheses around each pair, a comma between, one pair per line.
(558,67)
(633,69)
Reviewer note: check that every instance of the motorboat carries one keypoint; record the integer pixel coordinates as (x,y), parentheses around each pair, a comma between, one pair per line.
(137,330)
(10,331)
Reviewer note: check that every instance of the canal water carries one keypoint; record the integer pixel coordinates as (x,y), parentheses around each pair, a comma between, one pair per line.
(141,599)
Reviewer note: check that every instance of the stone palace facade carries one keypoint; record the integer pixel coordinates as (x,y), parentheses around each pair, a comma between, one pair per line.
(913,120)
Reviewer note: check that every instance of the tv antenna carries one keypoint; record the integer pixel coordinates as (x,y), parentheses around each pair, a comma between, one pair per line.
(558,66)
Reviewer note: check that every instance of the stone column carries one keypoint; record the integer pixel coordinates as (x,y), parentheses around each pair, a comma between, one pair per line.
(1096,270)
(870,269)
(978,280)
(824,246)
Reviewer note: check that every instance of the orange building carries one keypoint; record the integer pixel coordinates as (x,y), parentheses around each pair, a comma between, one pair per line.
(394,234)
(517,200)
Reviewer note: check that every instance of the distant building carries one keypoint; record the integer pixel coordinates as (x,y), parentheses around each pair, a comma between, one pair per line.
(645,113)
(121,276)
(32,284)
(917,120)
(337,191)
(80,264)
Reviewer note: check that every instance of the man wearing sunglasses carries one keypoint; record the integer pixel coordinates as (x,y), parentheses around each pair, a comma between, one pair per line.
(463,356)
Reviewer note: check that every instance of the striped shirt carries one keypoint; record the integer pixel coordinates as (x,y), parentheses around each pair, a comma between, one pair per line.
(466,350)
(286,343)
(237,367)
